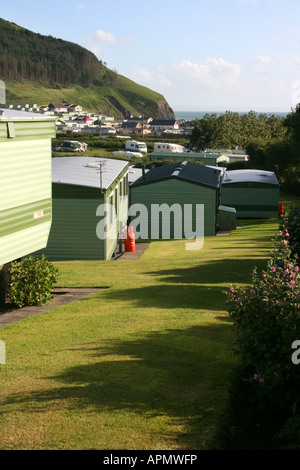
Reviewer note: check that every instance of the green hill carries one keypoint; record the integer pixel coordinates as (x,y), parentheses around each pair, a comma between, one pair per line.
(41,69)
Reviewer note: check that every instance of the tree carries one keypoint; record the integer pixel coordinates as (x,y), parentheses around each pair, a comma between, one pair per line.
(234,130)
(256,151)
(204,132)
(292,123)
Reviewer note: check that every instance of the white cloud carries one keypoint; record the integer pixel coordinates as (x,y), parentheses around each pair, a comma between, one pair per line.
(212,74)
(293,59)
(259,62)
(148,78)
(97,41)
(102,36)
(216,82)
(94,43)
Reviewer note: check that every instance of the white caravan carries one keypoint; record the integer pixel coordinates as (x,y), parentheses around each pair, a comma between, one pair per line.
(167,147)
(134,146)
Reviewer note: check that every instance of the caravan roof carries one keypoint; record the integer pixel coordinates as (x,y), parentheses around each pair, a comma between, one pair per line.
(84,171)
(192,172)
(250,176)
(13,114)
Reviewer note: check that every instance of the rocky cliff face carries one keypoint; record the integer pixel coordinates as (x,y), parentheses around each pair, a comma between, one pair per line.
(118,106)
(164,110)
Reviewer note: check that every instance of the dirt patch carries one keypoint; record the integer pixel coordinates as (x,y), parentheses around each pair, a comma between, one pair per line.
(61,296)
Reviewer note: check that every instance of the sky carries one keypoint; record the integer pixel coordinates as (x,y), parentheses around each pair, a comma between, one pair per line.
(201,55)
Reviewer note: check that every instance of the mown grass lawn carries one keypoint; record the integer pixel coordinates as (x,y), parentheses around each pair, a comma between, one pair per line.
(143,364)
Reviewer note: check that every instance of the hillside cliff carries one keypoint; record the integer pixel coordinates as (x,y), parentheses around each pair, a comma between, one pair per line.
(40,69)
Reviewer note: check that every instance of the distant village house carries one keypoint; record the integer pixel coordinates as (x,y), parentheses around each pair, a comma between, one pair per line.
(161,125)
(131,127)
(58,107)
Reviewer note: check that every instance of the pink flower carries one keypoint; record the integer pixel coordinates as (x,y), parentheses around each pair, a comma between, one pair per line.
(286,271)
(252,291)
(258,377)
(232,295)
(276,301)
(293,275)
(273,270)
(231,289)
(292,283)
(287,234)
(297,269)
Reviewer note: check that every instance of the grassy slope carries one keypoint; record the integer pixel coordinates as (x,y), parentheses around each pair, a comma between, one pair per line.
(144,364)
(129,94)
(135,98)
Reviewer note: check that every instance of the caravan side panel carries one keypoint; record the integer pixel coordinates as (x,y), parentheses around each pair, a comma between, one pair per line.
(25,194)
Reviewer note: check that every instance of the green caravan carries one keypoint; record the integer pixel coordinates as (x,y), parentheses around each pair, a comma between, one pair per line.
(88,193)
(252,193)
(25,182)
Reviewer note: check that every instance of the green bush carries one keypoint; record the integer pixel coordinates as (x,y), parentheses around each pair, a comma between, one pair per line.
(267,316)
(291,222)
(31,283)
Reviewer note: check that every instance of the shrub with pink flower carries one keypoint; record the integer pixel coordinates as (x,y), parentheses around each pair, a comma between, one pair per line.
(267,317)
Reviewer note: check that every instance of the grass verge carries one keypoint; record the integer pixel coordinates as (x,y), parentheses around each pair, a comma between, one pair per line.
(145,364)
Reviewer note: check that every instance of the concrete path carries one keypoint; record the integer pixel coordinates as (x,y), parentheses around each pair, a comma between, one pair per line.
(139,250)
(61,297)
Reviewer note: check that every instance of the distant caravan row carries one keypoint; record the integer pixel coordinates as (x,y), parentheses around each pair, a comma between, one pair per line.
(134,146)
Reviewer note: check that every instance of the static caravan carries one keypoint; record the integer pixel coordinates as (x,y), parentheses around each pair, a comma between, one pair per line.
(177,189)
(168,147)
(134,146)
(235,157)
(206,159)
(73,146)
(126,153)
(253,193)
(25,182)
(90,208)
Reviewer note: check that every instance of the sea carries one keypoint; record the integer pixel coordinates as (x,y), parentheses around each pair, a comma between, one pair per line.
(191,115)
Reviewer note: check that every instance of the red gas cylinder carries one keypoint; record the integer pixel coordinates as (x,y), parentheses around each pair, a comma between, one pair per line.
(281,209)
(130,240)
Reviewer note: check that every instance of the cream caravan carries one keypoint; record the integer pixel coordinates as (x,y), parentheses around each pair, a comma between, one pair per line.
(167,147)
